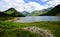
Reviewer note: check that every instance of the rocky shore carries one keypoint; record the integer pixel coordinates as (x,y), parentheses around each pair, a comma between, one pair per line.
(43,32)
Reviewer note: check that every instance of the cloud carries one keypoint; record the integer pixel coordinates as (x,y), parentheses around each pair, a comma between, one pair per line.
(53,3)
(44,0)
(31,6)
(35,6)
(7,0)
(20,5)
(20,1)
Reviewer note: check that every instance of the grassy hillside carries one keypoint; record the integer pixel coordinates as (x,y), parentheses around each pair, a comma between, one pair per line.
(39,12)
(11,12)
(47,12)
(58,14)
(55,11)
(36,13)
(2,14)
(13,29)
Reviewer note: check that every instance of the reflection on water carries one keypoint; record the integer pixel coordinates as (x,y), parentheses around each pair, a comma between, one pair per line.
(38,18)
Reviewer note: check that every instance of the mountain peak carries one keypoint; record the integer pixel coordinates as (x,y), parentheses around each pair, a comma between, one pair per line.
(10,9)
(13,12)
(58,5)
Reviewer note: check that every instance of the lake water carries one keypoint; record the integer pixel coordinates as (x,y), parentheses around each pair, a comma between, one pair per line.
(38,18)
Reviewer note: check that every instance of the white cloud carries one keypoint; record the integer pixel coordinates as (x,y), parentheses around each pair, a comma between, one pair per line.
(12,1)
(7,0)
(20,1)
(26,6)
(35,6)
(32,6)
(20,5)
(44,0)
(53,3)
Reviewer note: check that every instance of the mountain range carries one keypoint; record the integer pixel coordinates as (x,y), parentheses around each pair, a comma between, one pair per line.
(39,12)
(45,12)
(53,12)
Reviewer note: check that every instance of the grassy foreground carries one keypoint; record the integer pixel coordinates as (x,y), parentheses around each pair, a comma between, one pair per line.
(13,29)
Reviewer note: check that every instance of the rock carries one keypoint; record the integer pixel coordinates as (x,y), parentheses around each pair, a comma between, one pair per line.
(41,31)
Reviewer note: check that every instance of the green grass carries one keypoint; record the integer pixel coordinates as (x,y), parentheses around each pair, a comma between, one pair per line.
(9,12)
(36,13)
(6,18)
(13,29)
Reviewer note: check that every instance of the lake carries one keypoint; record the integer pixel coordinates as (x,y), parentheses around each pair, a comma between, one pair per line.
(38,18)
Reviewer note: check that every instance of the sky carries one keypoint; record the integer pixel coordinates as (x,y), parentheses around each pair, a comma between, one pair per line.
(27,5)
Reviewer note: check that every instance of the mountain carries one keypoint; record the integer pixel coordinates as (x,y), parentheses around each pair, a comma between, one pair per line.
(58,14)
(2,14)
(38,12)
(25,13)
(54,12)
(12,12)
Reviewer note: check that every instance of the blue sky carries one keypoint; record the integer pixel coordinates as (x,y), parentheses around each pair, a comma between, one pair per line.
(38,1)
(27,5)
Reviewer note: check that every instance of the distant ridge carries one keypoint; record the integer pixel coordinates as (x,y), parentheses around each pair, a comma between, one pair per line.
(25,13)
(39,12)
(53,12)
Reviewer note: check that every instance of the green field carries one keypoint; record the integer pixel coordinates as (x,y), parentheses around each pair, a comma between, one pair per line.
(13,29)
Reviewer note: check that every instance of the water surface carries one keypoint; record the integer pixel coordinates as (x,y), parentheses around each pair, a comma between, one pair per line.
(38,18)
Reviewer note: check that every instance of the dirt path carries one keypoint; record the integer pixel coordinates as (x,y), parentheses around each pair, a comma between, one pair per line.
(43,32)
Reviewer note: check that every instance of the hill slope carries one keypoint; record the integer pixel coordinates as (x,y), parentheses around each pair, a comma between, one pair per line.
(13,29)
(39,12)
(53,12)
(2,14)
(13,12)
